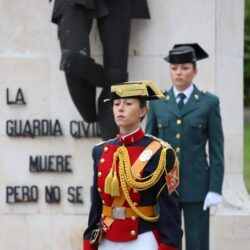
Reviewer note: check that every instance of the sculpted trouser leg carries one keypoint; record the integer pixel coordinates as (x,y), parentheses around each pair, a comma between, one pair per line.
(83,96)
(76,62)
(114,32)
(81,71)
(196,222)
(106,119)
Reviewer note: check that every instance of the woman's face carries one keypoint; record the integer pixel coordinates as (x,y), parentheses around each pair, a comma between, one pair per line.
(182,75)
(128,114)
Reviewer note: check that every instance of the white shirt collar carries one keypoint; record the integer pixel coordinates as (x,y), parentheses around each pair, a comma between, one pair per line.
(188,92)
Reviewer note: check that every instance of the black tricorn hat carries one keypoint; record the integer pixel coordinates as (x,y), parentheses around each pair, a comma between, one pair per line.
(136,89)
(186,53)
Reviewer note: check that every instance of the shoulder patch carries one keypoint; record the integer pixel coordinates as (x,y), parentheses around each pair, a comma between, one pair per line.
(173,179)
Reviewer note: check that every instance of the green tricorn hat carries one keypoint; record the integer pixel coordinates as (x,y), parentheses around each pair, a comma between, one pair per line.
(136,89)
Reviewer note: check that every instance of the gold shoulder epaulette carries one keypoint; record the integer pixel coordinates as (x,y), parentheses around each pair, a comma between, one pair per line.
(163,143)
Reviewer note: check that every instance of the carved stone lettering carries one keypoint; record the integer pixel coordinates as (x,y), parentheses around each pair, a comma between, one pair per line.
(21,194)
(50,163)
(79,129)
(75,194)
(33,128)
(52,194)
(17,100)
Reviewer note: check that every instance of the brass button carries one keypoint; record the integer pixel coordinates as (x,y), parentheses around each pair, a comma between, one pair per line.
(132,232)
(106,149)
(135,203)
(99,190)
(178,122)
(135,191)
(99,174)
(103,201)
(102,160)
(177,150)
(178,136)
(133,218)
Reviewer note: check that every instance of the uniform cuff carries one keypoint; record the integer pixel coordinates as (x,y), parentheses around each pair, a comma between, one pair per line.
(87,246)
(166,247)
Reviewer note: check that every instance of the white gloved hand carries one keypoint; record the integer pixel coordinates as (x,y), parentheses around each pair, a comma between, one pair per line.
(211,199)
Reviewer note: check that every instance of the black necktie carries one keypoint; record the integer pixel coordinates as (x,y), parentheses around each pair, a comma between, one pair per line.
(181,102)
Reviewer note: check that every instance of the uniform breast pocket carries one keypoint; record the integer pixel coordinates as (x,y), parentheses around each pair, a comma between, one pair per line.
(198,130)
(163,128)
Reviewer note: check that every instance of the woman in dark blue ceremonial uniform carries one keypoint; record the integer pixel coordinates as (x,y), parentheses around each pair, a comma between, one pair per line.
(133,174)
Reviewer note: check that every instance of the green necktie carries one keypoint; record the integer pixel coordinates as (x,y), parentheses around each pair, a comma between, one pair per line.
(181,102)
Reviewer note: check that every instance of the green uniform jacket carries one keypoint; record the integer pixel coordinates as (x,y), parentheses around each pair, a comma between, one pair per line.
(189,131)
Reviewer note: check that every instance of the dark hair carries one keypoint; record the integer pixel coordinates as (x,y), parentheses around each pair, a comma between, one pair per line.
(194,65)
(143,102)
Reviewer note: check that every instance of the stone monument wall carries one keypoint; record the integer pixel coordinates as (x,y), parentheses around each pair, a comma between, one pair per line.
(45,161)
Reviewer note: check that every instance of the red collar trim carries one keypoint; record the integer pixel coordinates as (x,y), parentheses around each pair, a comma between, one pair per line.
(132,138)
